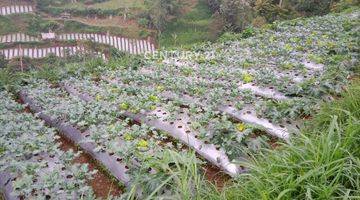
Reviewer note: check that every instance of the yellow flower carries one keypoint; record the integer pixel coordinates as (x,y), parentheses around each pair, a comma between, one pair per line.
(128,137)
(152,107)
(153,98)
(159,60)
(272,39)
(114,90)
(98,97)
(111,127)
(246,64)
(135,110)
(247,78)
(309,41)
(222,73)
(240,127)
(142,144)
(124,106)
(213,62)
(288,47)
(160,88)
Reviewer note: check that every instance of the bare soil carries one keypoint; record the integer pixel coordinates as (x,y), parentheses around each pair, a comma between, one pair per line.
(101,183)
(215,176)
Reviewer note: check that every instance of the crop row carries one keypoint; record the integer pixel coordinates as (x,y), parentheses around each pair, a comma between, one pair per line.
(32,165)
(134,147)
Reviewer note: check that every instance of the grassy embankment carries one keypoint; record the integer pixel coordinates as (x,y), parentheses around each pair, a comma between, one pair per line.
(192,27)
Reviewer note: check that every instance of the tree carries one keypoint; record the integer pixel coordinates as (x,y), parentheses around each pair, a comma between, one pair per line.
(159,12)
(214,5)
(237,14)
(311,7)
(268,9)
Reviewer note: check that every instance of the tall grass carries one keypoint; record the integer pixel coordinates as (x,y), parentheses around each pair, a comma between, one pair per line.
(178,177)
(321,163)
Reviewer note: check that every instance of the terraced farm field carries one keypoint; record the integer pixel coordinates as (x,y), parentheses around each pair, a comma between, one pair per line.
(131,46)
(24,24)
(222,101)
(32,163)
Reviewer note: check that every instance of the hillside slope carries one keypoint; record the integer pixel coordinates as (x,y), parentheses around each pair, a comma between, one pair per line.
(231,102)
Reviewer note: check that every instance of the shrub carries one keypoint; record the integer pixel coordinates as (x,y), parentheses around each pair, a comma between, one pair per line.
(344,4)
(144,33)
(259,21)
(3,61)
(312,7)
(143,22)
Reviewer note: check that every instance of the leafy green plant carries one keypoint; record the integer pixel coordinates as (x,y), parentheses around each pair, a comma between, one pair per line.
(29,149)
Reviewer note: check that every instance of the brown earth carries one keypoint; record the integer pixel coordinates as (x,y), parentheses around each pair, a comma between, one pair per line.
(102,185)
(215,176)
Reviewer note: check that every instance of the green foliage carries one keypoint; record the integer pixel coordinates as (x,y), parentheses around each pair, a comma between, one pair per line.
(125,61)
(37,24)
(48,72)
(271,12)
(159,11)
(179,177)
(55,8)
(237,14)
(191,28)
(143,22)
(341,5)
(322,163)
(74,26)
(9,80)
(7,26)
(3,61)
(144,33)
(27,140)
(312,7)
(230,36)
(342,108)
(289,109)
